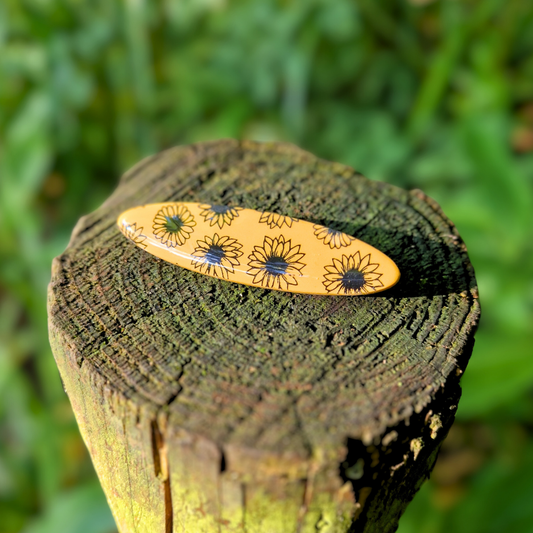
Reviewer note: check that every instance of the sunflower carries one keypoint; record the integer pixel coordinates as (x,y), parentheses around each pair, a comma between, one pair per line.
(335,239)
(219,214)
(173,225)
(276,264)
(134,234)
(352,275)
(217,256)
(276,221)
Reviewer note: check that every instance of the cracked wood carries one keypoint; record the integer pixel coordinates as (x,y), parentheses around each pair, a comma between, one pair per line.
(253,399)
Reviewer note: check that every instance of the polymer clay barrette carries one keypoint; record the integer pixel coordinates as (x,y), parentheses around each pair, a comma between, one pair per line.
(261,249)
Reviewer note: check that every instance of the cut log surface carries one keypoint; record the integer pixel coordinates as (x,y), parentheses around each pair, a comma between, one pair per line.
(209,406)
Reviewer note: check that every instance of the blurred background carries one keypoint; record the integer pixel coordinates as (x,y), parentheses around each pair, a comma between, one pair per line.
(430,94)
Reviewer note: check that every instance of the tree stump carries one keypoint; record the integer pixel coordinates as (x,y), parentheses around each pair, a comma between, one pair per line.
(209,406)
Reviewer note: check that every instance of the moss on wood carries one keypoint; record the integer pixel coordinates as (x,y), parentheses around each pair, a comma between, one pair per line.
(209,406)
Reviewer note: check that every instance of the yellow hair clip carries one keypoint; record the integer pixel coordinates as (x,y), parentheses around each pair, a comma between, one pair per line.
(261,249)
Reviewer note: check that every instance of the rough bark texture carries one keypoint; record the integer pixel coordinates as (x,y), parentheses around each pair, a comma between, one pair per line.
(209,406)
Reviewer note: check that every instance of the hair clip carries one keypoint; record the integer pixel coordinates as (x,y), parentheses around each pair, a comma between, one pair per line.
(261,249)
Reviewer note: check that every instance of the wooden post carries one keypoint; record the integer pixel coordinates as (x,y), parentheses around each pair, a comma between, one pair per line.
(209,406)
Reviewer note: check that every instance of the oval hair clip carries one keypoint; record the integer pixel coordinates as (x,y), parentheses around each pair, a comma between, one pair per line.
(261,249)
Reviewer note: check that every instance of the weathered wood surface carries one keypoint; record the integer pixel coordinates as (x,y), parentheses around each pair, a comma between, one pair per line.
(209,406)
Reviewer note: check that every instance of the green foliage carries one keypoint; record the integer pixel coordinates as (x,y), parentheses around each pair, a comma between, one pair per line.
(430,94)
(80,510)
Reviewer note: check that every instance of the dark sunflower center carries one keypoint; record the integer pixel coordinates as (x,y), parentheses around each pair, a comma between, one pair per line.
(214,255)
(276,265)
(220,209)
(353,280)
(174,224)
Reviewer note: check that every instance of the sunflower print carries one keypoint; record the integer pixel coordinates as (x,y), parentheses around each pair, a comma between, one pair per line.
(219,214)
(352,275)
(276,221)
(134,234)
(217,256)
(173,225)
(276,264)
(332,237)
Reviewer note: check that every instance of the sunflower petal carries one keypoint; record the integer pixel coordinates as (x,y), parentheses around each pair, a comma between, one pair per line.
(364,262)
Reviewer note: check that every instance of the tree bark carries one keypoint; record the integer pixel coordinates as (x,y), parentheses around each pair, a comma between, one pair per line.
(209,406)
